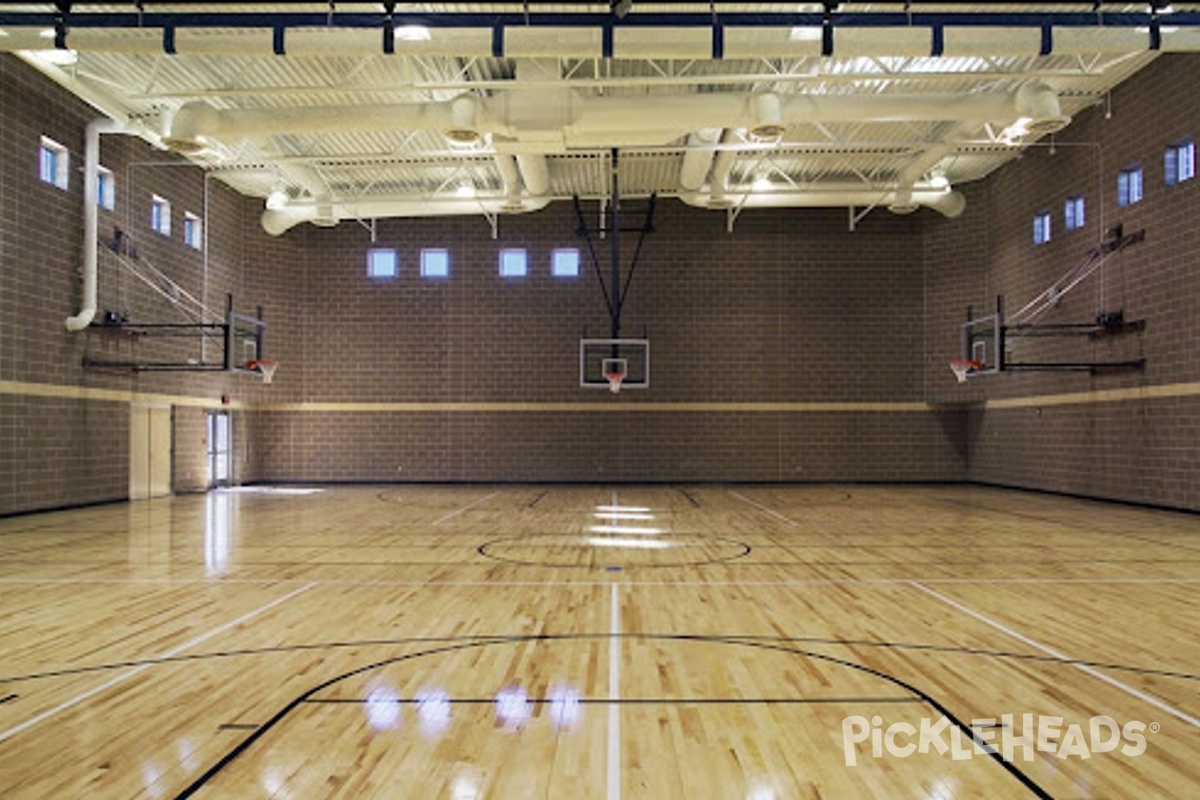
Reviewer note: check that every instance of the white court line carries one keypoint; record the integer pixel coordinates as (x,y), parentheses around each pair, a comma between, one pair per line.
(124,676)
(1154,701)
(763,508)
(467,507)
(614,695)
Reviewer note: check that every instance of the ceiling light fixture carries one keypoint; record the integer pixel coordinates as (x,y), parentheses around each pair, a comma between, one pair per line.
(412,33)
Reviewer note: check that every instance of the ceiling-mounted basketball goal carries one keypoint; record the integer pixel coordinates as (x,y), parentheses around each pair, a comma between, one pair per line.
(614,363)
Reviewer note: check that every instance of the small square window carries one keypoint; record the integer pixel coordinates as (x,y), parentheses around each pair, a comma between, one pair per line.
(514,263)
(1180,163)
(1073,212)
(1129,186)
(382,263)
(565,263)
(1041,228)
(160,215)
(435,263)
(54,163)
(106,189)
(193,231)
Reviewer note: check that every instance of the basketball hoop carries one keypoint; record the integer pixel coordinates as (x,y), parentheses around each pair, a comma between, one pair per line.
(963,367)
(264,366)
(614,381)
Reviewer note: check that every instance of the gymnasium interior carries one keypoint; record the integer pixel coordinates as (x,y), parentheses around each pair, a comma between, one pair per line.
(599,400)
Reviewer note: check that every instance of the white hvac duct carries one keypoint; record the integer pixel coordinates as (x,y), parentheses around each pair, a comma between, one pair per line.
(722,166)
(197,122)
(698,158)
(540,115)
(89,265)
(506,165)
(279,221)
(948,203)
(915,170)
(536,173)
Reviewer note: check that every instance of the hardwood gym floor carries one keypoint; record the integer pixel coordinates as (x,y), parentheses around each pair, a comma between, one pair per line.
(597,642)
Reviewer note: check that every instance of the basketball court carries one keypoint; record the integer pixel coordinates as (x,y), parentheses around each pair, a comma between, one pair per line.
(626,641)
(359,481)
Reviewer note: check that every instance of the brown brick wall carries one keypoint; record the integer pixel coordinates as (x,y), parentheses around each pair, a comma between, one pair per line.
(40,246)
(790,308)
(1142,450)
(581,446)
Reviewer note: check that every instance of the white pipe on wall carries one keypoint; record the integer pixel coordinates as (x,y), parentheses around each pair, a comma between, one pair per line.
(89,265)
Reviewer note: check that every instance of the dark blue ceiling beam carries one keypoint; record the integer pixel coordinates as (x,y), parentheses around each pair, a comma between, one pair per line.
(63,20)
(534,19)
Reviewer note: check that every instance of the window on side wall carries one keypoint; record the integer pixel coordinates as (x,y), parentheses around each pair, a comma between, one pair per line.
(1179,163)
(1041,227)
(514,263)
(1073,212)
(382,263)
(106,189)
(1129,186)
(435,263)
(564,263)
(54,163)
(160,214)
(193,231)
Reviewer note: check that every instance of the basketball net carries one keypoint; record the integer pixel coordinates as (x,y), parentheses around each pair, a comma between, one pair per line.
(963,367)
(614,381)
(266,368)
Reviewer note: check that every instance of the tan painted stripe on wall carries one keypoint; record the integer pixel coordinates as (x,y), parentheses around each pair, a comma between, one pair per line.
(27,389)
(1103,396)
(613,406)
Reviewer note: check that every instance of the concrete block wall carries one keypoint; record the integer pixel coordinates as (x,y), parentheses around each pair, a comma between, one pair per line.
(1129,436)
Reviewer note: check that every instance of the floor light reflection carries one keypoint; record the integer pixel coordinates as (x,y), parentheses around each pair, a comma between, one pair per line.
(383,708)
(433,710)
(512,707)
(637,544)
(564,707)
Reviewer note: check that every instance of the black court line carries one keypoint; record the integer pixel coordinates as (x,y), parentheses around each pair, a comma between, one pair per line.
(625,701)
(238,726)
(8,698)
(809,641)
(993,754)
(695,503)
(537,499)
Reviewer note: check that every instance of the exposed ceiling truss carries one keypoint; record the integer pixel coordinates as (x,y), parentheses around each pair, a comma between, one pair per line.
(363,110)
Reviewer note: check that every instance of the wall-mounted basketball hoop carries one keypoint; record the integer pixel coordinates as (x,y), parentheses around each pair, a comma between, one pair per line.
(962,367)
(263,366)
(239,340)
(996,343)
